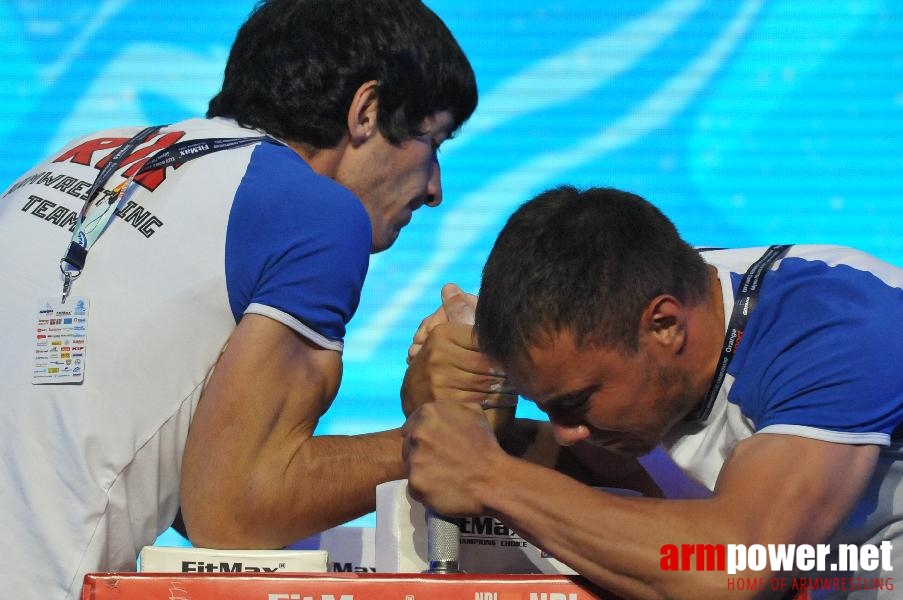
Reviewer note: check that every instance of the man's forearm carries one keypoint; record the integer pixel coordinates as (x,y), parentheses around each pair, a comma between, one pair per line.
(612,540)
(325,482)
(336,478)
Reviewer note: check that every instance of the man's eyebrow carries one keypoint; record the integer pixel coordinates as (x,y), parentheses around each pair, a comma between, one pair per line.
(569,399)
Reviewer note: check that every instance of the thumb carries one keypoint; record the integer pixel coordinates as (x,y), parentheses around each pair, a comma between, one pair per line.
(459,306)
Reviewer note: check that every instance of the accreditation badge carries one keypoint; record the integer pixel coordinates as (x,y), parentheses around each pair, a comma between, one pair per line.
(60,340)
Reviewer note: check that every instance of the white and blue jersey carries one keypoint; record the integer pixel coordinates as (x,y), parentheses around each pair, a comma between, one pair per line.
(89,472)
(309,272)
(820,357)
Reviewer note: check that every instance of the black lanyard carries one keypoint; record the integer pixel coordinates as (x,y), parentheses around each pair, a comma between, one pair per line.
(73,262)
(744,303)
(77,252)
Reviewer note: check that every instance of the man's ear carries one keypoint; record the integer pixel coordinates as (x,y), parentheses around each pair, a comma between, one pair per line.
(664,321)
(362,112)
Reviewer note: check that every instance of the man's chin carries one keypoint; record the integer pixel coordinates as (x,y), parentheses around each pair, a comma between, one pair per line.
(384,244)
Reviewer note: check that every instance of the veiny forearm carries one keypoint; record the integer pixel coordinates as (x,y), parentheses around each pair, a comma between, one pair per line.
(292,493)
(616,541)
(761,498)
(333,479)
(612,540)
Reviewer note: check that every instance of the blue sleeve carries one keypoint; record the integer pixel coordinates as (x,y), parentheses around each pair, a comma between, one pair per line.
(297,246)
(820,356)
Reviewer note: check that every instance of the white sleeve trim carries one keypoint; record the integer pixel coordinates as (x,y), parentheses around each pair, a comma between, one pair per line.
(296,325)
(826,435)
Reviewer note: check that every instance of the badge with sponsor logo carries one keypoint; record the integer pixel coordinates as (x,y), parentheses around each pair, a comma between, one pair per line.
(60,341)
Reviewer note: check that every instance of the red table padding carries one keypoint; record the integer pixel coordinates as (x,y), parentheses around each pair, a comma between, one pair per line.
(336,586)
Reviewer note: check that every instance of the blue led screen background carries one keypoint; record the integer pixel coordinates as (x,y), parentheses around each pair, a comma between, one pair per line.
(748,122)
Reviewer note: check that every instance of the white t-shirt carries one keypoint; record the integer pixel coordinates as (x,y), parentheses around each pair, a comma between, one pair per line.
(89,472)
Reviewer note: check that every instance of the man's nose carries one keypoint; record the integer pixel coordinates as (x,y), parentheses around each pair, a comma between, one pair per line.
(434,185)
(568,435)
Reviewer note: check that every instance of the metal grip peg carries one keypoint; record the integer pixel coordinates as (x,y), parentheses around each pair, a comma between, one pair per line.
(443,544)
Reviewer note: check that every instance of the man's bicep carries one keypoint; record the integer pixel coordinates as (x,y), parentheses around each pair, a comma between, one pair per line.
(262,401)
(786,488)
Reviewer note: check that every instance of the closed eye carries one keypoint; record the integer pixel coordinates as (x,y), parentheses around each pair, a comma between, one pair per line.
(569,408)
